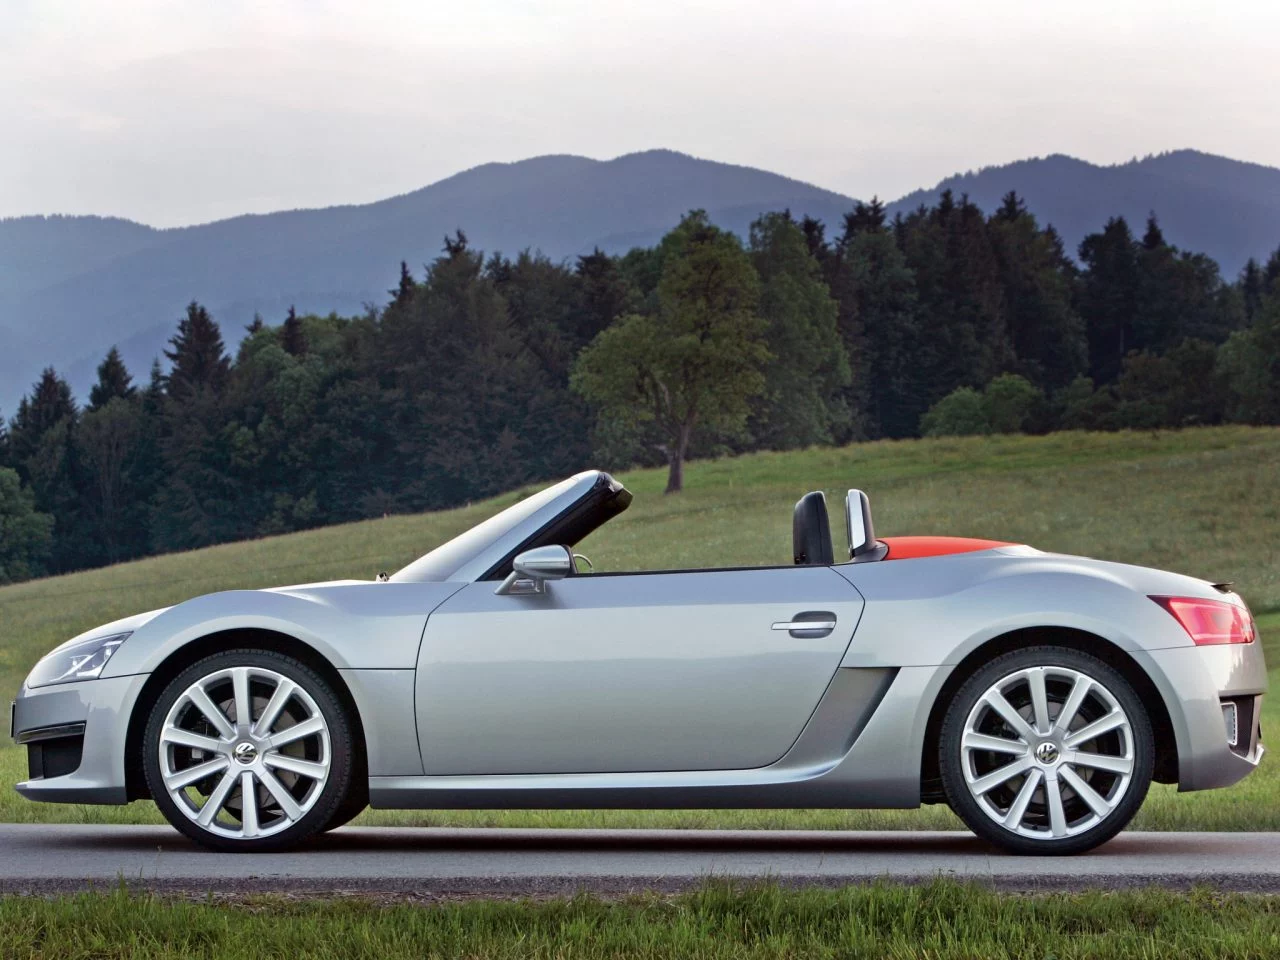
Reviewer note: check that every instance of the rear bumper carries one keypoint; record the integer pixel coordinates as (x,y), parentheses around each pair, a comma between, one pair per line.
(1195,682)
(75,735)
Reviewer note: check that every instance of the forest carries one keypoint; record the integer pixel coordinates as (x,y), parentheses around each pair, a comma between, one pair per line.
(482,372)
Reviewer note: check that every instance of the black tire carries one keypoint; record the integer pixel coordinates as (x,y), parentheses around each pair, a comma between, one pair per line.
(351,807)
(330,797)
(1035,815)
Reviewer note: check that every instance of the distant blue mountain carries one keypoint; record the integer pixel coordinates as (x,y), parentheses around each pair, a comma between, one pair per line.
(1225,208)
(70,287)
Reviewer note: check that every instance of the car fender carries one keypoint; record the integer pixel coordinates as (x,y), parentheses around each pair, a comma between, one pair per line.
(936,611)
(353,625)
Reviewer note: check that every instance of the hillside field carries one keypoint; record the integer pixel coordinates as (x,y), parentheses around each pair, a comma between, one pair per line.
(1201,502)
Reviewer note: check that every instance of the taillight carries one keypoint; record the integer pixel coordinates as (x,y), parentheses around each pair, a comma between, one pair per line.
(1210,621)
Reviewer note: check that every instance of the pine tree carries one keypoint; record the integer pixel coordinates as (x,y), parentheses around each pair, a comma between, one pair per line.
(802,404)
(863,218)
(292,337)
(605,295)
(256,325)
(195,505)
(1109,297)
(1251,288)
(403,291)
(1012,209)
(1045,333)
(963,330)
(198,357)
(881,329)
(1271,275)
(455,246)
(815,238)
(1153,239)
(41,444)
(113,381)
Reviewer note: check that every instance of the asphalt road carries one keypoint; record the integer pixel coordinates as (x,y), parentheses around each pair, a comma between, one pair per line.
(436,862)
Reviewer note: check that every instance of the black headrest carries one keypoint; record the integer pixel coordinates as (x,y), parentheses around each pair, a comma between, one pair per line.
(811,531)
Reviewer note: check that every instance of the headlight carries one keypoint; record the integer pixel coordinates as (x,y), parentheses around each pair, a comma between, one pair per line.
(77,661)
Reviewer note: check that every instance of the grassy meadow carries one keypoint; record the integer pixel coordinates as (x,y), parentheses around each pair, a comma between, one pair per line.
(1199,501)
(939,920)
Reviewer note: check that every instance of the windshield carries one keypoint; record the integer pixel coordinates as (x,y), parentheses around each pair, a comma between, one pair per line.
(445,559)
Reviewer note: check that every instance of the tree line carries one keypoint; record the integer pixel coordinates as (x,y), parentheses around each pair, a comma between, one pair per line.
(489,372)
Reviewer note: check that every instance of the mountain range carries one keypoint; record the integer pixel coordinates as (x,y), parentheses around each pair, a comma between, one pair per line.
(71,286)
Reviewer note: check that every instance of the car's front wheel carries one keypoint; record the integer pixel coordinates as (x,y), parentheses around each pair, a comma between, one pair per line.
(1046,750)
(248,750)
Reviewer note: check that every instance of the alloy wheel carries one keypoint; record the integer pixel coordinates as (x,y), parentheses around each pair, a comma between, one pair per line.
(1047,752)
(245,752)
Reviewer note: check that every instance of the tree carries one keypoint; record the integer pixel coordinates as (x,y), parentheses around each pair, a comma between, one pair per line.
(1271,275)
(880,325)
(1006,405)
(863,218)
(963,331)
(25,533)
(113,381)
(470,406)
(1045,333)
(109,442)
(961,413)
(1010,402)
(1180,295)
(196,505)
(698,360)
(1251,284)
(48,405)
(403,291)
(199,358)
(604,295)
(292,336)
(802,403)
(1109,297)
(1249,366)
(1177,389)
(1080,407)
(815,238)
(43,453)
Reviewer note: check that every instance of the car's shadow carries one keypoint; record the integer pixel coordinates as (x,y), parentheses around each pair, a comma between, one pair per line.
(359,840)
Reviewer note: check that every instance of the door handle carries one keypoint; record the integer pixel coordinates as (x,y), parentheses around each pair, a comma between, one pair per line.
(808,625)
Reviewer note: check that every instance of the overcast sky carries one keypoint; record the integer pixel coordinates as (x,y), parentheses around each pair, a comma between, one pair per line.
(181,112)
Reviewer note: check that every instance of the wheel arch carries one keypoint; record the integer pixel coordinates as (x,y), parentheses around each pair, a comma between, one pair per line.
(1166,759)
(189,653)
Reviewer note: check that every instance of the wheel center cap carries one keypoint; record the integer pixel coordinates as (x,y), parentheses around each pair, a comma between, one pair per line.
(245,753)
(1047,753)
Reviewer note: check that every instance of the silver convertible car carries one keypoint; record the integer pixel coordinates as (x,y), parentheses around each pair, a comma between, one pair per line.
(1036,694)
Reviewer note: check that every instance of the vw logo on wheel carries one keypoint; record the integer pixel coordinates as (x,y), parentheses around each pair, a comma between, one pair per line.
(245,752)
(1047,753)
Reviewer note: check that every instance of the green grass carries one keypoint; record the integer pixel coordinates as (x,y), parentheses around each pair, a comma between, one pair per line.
(939,920)
(1201,502)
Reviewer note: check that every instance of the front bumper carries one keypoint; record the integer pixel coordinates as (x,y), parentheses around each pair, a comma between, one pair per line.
(89,718)
(1195,682)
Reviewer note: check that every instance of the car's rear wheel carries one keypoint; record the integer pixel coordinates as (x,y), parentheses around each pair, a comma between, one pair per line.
(1046,750)
(249,750)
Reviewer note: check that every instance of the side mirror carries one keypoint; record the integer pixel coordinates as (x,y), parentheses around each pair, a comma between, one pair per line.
(531,570)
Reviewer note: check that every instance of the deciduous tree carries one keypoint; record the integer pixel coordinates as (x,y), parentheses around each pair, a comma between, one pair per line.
(696,362)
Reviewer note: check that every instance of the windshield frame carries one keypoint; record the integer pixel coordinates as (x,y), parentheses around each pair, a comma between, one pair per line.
(564,512)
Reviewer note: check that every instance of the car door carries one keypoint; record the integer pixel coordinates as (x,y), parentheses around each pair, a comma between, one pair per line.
(665,671)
